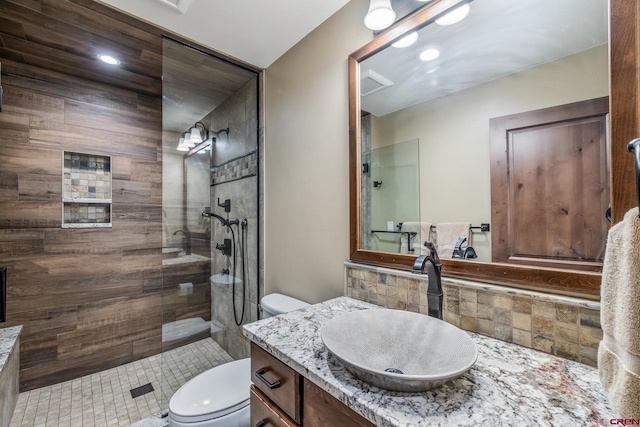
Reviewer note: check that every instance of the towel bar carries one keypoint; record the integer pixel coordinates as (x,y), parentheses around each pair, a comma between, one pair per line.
(634,147)
(484,227)
(409,234)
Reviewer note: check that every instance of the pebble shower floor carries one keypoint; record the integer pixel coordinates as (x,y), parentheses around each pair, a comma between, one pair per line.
(103,399)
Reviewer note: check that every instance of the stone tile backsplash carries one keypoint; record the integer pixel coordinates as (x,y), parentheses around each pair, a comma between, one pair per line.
(563,326)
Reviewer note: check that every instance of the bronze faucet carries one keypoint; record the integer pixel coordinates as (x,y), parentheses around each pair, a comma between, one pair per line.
(434,272)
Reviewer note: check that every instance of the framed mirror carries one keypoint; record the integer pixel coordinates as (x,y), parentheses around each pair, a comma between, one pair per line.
(517,133)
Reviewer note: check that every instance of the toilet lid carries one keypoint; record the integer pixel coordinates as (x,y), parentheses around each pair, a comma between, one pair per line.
(279,304)
(214,393)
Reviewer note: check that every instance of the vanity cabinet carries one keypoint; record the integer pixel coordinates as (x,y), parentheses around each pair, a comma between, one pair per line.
(278,382)
(266,413)
(281,397)
(320,409)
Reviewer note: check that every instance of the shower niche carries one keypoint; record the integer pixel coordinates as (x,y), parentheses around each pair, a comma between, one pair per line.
(86,190)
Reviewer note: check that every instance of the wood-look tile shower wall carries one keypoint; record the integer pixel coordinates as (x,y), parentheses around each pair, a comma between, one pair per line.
(89,299)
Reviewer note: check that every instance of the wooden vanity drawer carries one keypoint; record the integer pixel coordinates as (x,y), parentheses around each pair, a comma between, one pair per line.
(265,413)
(322,410)
(277,381)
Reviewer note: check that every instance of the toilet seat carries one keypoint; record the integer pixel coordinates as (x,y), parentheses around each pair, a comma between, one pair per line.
(213,394)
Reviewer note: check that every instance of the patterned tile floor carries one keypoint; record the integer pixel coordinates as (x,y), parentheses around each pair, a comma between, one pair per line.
(103,399)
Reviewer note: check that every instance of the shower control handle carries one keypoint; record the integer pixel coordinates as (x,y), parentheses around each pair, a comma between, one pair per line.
(226,205)
(271,385)
(261,423)
(224,247)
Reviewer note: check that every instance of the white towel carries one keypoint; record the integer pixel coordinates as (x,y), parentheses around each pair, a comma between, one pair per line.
(447,234)
(422,230)
(619,351)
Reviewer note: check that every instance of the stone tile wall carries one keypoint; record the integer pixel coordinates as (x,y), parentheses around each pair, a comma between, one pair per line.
(563,326)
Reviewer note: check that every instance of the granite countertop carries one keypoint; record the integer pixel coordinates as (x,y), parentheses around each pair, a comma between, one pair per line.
(8,337)
(509,384)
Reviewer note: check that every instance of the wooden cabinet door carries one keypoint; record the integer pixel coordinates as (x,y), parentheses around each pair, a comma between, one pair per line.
(320,409)
(550,186)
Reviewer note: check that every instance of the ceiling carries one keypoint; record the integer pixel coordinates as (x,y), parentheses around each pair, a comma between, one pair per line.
(256,32)
(497,38)
(194,84)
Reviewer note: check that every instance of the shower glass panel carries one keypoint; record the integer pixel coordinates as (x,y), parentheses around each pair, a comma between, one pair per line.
(391,196)
(198,280)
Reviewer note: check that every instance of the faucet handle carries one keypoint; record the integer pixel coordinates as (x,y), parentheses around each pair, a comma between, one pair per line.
(434,253)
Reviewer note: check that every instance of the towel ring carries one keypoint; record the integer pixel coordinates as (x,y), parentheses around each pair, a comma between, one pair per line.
(634,147)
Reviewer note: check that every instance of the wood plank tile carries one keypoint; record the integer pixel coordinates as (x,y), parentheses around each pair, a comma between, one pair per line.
(14,129)
(94,340)
(141,259)
(54,372)
(146,171)
(8,186)
(97,117)
(80,67)
(125,235)
(117,310)
(147,347)
(107,22)
(42,293)
(121,168)
(30,214)
(50,135)
(47,82)
(40,160)
(130,192)
(25,103)
(46,322)
(40,187)
(79,264)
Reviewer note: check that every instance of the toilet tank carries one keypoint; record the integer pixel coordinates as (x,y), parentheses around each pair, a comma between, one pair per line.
(274,304)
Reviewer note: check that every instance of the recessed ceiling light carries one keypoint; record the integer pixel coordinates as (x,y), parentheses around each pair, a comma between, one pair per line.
(456,15)
(407,40)
(108,59)
(429,54)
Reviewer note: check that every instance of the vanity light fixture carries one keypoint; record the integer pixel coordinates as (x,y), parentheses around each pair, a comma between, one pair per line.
(187,140)
(455,16)
(380,15)
(108,59)
(429,54)
(198,133)
(407,40)
(182,146)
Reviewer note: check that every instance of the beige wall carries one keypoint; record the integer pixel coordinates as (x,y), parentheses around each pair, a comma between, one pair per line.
(454,133)
(306,157)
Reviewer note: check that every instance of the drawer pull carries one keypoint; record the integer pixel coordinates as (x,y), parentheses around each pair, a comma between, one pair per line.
(261,423)
(271,385)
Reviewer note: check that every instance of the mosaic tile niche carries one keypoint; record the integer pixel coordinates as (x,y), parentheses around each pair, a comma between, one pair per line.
(86,191)
(563,326)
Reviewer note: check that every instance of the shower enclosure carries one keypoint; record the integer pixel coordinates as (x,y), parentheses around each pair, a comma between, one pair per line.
(210,212)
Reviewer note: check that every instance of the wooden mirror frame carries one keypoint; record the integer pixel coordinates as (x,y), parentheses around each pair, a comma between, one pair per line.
(624,108)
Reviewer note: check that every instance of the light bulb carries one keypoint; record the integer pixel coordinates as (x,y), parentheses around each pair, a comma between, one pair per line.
(455,16)
(380,15)
(429,54)
(108,59)
(407,40)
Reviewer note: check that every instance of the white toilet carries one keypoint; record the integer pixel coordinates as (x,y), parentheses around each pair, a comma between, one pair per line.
(219,397)
(274,304)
